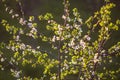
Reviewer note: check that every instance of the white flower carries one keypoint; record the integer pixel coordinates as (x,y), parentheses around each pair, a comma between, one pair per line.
(54,77)
(34,29)
(33,50)
(57,38)
(17,38)
(59,27)
(67,36)
(106,28)
(13,48)
(28,46)
(8,47)
(64,17)
(66,66)
(30,25)
(67,26)
(76,47)
(96,58)
(13,16)
(6,9)
(68,19)
(80,59)
(66,52)
(49,21)
(93,73)
(16,15)
(82,43)
(87,37)
(38,47)
(30,34)
(53,39)
(17,75)
(72,43)
(22,21)
(117,48)
(11,11)
(2,59)
(2,69)
(77,26)
(22,46)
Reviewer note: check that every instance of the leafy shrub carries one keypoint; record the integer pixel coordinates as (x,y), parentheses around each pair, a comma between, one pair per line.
(74,51)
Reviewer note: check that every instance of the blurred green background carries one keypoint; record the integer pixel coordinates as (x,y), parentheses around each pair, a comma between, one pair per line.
(38,7)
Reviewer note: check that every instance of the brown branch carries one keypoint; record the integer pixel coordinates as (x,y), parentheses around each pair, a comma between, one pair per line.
(21,9)
(100,47)
(59,59)
(66,13)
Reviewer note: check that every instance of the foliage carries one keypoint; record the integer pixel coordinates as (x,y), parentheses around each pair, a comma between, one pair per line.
(78,53)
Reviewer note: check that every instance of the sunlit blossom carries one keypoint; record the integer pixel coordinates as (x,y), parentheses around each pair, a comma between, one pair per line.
(13,16)
(17,38)
(6,9)
(11,11)
(76,47)
(33,30)
(22,21)
(71,44)
(53,39)
(13,48)
(2,60)
(96,58)
(66,66)
(2,68)
(22,46)
(16,15)
(38,47)
(63,17)
(87,37)
(82,43)
(17,74)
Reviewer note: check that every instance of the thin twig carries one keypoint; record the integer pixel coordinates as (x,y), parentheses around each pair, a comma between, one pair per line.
(21,9)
